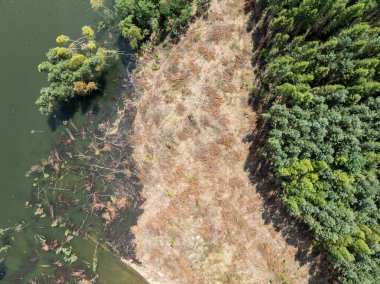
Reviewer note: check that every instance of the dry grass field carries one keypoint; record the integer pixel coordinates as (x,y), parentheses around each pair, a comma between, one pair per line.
(203,219)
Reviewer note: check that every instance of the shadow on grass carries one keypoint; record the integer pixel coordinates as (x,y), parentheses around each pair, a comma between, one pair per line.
(294,232)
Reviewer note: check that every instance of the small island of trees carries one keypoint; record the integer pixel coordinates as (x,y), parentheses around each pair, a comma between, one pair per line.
(74,68)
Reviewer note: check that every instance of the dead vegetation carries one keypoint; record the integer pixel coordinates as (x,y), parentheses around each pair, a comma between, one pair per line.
(203,218)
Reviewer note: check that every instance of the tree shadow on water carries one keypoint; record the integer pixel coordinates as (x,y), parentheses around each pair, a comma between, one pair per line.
(89,104)
(66,110)
(3,270)
(295,233)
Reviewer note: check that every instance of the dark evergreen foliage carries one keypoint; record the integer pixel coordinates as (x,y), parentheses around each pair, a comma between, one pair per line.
(143,20)
(323,72)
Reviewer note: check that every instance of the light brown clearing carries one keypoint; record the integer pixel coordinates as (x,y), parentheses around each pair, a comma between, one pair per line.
(203,218)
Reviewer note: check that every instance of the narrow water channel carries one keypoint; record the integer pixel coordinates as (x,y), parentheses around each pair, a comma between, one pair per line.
(28,28)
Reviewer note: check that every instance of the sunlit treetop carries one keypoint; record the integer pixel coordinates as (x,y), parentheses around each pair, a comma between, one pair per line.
(62,52)
(96,4)
(79,87)
(76,61)
(82,88)
(87,31)
(62,39)
(91,45)
(91,86)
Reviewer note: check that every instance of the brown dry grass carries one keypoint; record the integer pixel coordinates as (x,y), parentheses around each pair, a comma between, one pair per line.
(206,51)
(202,220)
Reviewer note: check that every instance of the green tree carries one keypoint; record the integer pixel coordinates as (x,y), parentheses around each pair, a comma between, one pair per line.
(73,69)
(323,141)
(142,20)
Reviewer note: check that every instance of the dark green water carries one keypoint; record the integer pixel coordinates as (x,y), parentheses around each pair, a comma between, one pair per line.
(28,28)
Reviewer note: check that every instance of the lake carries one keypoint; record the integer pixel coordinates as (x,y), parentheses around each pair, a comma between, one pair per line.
(28,28)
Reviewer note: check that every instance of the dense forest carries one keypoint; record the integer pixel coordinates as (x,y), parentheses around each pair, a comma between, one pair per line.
(322,78)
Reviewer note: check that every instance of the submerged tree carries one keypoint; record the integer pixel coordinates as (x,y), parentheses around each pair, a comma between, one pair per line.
(74,68)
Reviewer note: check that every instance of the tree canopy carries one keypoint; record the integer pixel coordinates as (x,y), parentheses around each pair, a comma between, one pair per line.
(142,20)
(73,69)
(323,75)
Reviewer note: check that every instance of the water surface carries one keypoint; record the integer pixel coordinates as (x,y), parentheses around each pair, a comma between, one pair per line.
(28,28)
